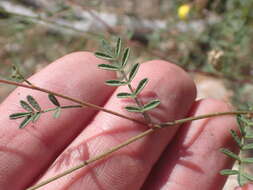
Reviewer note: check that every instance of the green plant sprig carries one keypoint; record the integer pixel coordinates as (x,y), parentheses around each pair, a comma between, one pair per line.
(245,125)
(118,64)
(34,111)
(126,80)
(129,141)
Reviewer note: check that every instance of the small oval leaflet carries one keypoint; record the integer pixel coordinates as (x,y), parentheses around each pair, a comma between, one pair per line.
(125,57)
(103,56)
(54,100)
(115,82)
(33,102)
(108,67)
(133,72)
(26,106)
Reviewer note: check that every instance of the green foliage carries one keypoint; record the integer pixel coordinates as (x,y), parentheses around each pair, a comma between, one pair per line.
(245,125)
(118,63)
(34,111)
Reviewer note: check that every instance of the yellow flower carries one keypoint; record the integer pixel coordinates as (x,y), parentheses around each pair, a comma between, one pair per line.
(183,11)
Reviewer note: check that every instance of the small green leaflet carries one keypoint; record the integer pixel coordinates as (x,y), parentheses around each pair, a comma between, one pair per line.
(141,85)
(133,109)
(19,115)
(230,154)
(236,137)
(25,122)
(247,160)
(125,57)
(241,124)
(106,46)
(108,67)
(33,102)
(26,106)
(229,172)
(118,47)
(115,82)
(125,95)
(151,105)
(103,56)
(248,146)
(54,100)
(133,72)
(36,116)
(16,74)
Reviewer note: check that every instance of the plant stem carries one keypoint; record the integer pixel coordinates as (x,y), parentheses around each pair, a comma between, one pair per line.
(62,107)
(180,121)
(133,139)
(89,161)
(83,103)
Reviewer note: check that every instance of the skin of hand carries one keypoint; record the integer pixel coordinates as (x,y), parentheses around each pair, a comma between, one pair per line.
(175,158)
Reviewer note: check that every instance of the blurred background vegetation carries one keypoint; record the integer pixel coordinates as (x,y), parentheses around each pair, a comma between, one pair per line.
(211,39)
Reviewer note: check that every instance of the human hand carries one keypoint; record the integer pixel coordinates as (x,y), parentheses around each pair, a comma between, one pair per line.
(176,158)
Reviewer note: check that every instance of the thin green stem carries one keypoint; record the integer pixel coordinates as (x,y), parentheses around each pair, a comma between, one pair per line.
(133,139)
(180,121)
(83,103)
(62,107)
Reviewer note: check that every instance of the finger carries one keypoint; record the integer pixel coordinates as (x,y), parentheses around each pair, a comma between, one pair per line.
(128,167)
(193,160)
(23,153)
